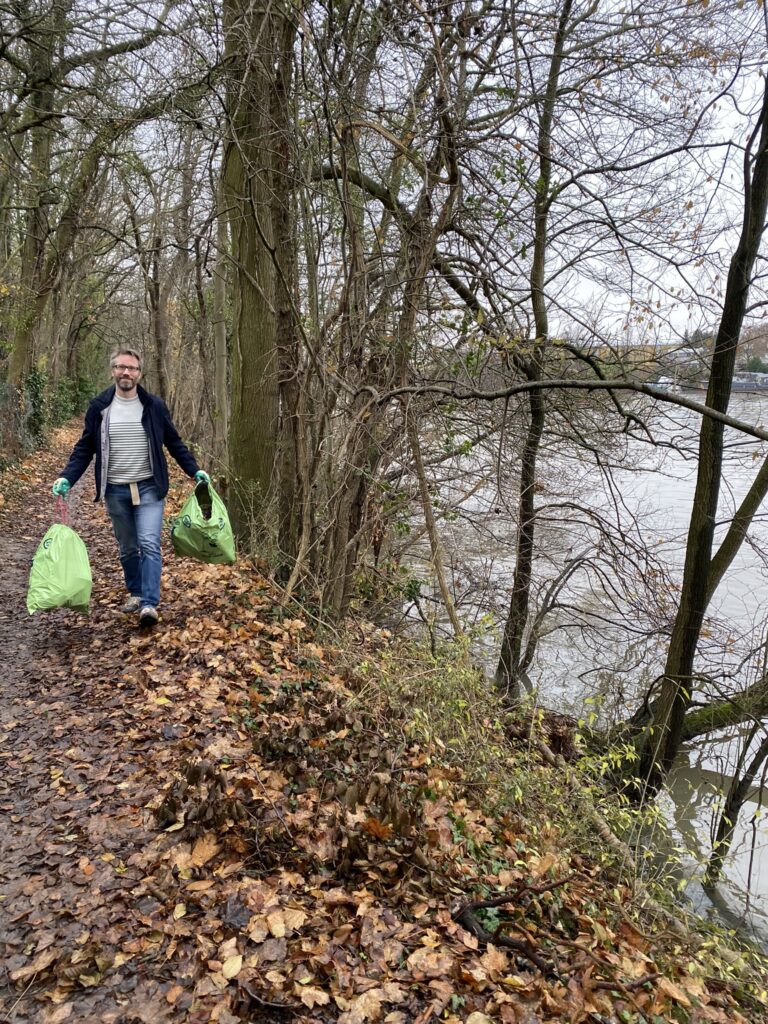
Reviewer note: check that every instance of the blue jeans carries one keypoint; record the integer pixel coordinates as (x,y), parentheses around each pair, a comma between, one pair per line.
(137,530)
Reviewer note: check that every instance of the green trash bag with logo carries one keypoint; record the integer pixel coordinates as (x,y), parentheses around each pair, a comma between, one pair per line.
(202,529)
(61,573)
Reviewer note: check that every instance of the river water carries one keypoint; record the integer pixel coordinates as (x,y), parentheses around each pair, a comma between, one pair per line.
(607,634)
(655,497)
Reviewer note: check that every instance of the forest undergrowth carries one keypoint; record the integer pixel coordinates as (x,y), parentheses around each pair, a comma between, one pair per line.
(239,816)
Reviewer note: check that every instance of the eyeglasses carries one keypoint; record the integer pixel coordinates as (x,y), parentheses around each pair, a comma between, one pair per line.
(126,369)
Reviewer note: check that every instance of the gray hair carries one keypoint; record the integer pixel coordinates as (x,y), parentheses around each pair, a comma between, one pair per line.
(125,352)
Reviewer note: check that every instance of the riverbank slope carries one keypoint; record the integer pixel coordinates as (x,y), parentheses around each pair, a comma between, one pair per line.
(230,818)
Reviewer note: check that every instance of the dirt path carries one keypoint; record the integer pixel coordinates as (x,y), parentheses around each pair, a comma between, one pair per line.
(75,741)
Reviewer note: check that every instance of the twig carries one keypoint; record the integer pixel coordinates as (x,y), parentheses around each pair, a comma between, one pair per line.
(29,986)
(286,1007)
(509,897)
(467,919)
(626,986)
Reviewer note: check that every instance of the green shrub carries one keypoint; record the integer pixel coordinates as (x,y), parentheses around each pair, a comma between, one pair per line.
(69,397)
(35,390)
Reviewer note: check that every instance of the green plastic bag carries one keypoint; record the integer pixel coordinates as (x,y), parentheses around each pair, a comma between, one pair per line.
(202,529)
(61,573)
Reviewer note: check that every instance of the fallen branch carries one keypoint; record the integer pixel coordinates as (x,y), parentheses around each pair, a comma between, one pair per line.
(510,897)
(466,918)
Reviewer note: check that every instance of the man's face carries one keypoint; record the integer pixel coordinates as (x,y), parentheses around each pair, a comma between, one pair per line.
(126,373)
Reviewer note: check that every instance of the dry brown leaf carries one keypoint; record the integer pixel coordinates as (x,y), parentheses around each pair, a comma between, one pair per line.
(257,929)
(366,1006)
(669,988)
(201,885)
(632,936)
(232,966)
(495,961)
(227,949)
(204,849)
(377,829)
(429,963)
(392,992)
(59,1015)
(294,918)
(312,997)
(173,994)
(276,923)
(336,897)
(41,961)
(539,866)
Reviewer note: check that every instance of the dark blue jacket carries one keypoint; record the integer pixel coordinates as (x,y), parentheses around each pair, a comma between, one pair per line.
(158,424)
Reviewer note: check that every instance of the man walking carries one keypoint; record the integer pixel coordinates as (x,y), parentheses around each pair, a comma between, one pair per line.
(126,428)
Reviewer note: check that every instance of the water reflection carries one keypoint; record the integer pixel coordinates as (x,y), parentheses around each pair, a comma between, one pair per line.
(660,496)
(696,793)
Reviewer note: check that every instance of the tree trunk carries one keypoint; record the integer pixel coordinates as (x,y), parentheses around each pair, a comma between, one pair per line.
(664,736)
(158,316)
(251,37)
(293,476)
(36,225)
(435,542)
(507,678)
(750,705)
(219,323)
(508,671)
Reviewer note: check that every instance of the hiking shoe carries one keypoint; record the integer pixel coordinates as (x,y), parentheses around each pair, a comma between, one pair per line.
(131,605)
(148,615)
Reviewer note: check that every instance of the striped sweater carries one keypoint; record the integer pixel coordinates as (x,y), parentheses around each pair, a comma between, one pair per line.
(128,442)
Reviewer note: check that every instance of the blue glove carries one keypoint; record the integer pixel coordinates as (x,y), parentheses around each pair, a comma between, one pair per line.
(61,487)
(201,477)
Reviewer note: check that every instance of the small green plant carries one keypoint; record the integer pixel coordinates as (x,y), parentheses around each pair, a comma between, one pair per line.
(490,918)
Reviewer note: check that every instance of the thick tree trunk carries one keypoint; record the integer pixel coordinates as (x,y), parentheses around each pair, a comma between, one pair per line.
(158,315)
(252,35)
(293,477)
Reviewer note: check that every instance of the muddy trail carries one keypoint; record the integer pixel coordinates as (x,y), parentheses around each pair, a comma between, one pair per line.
(206,822)
(79,740)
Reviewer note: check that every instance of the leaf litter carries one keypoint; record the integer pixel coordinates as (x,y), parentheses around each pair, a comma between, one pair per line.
(201,825)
